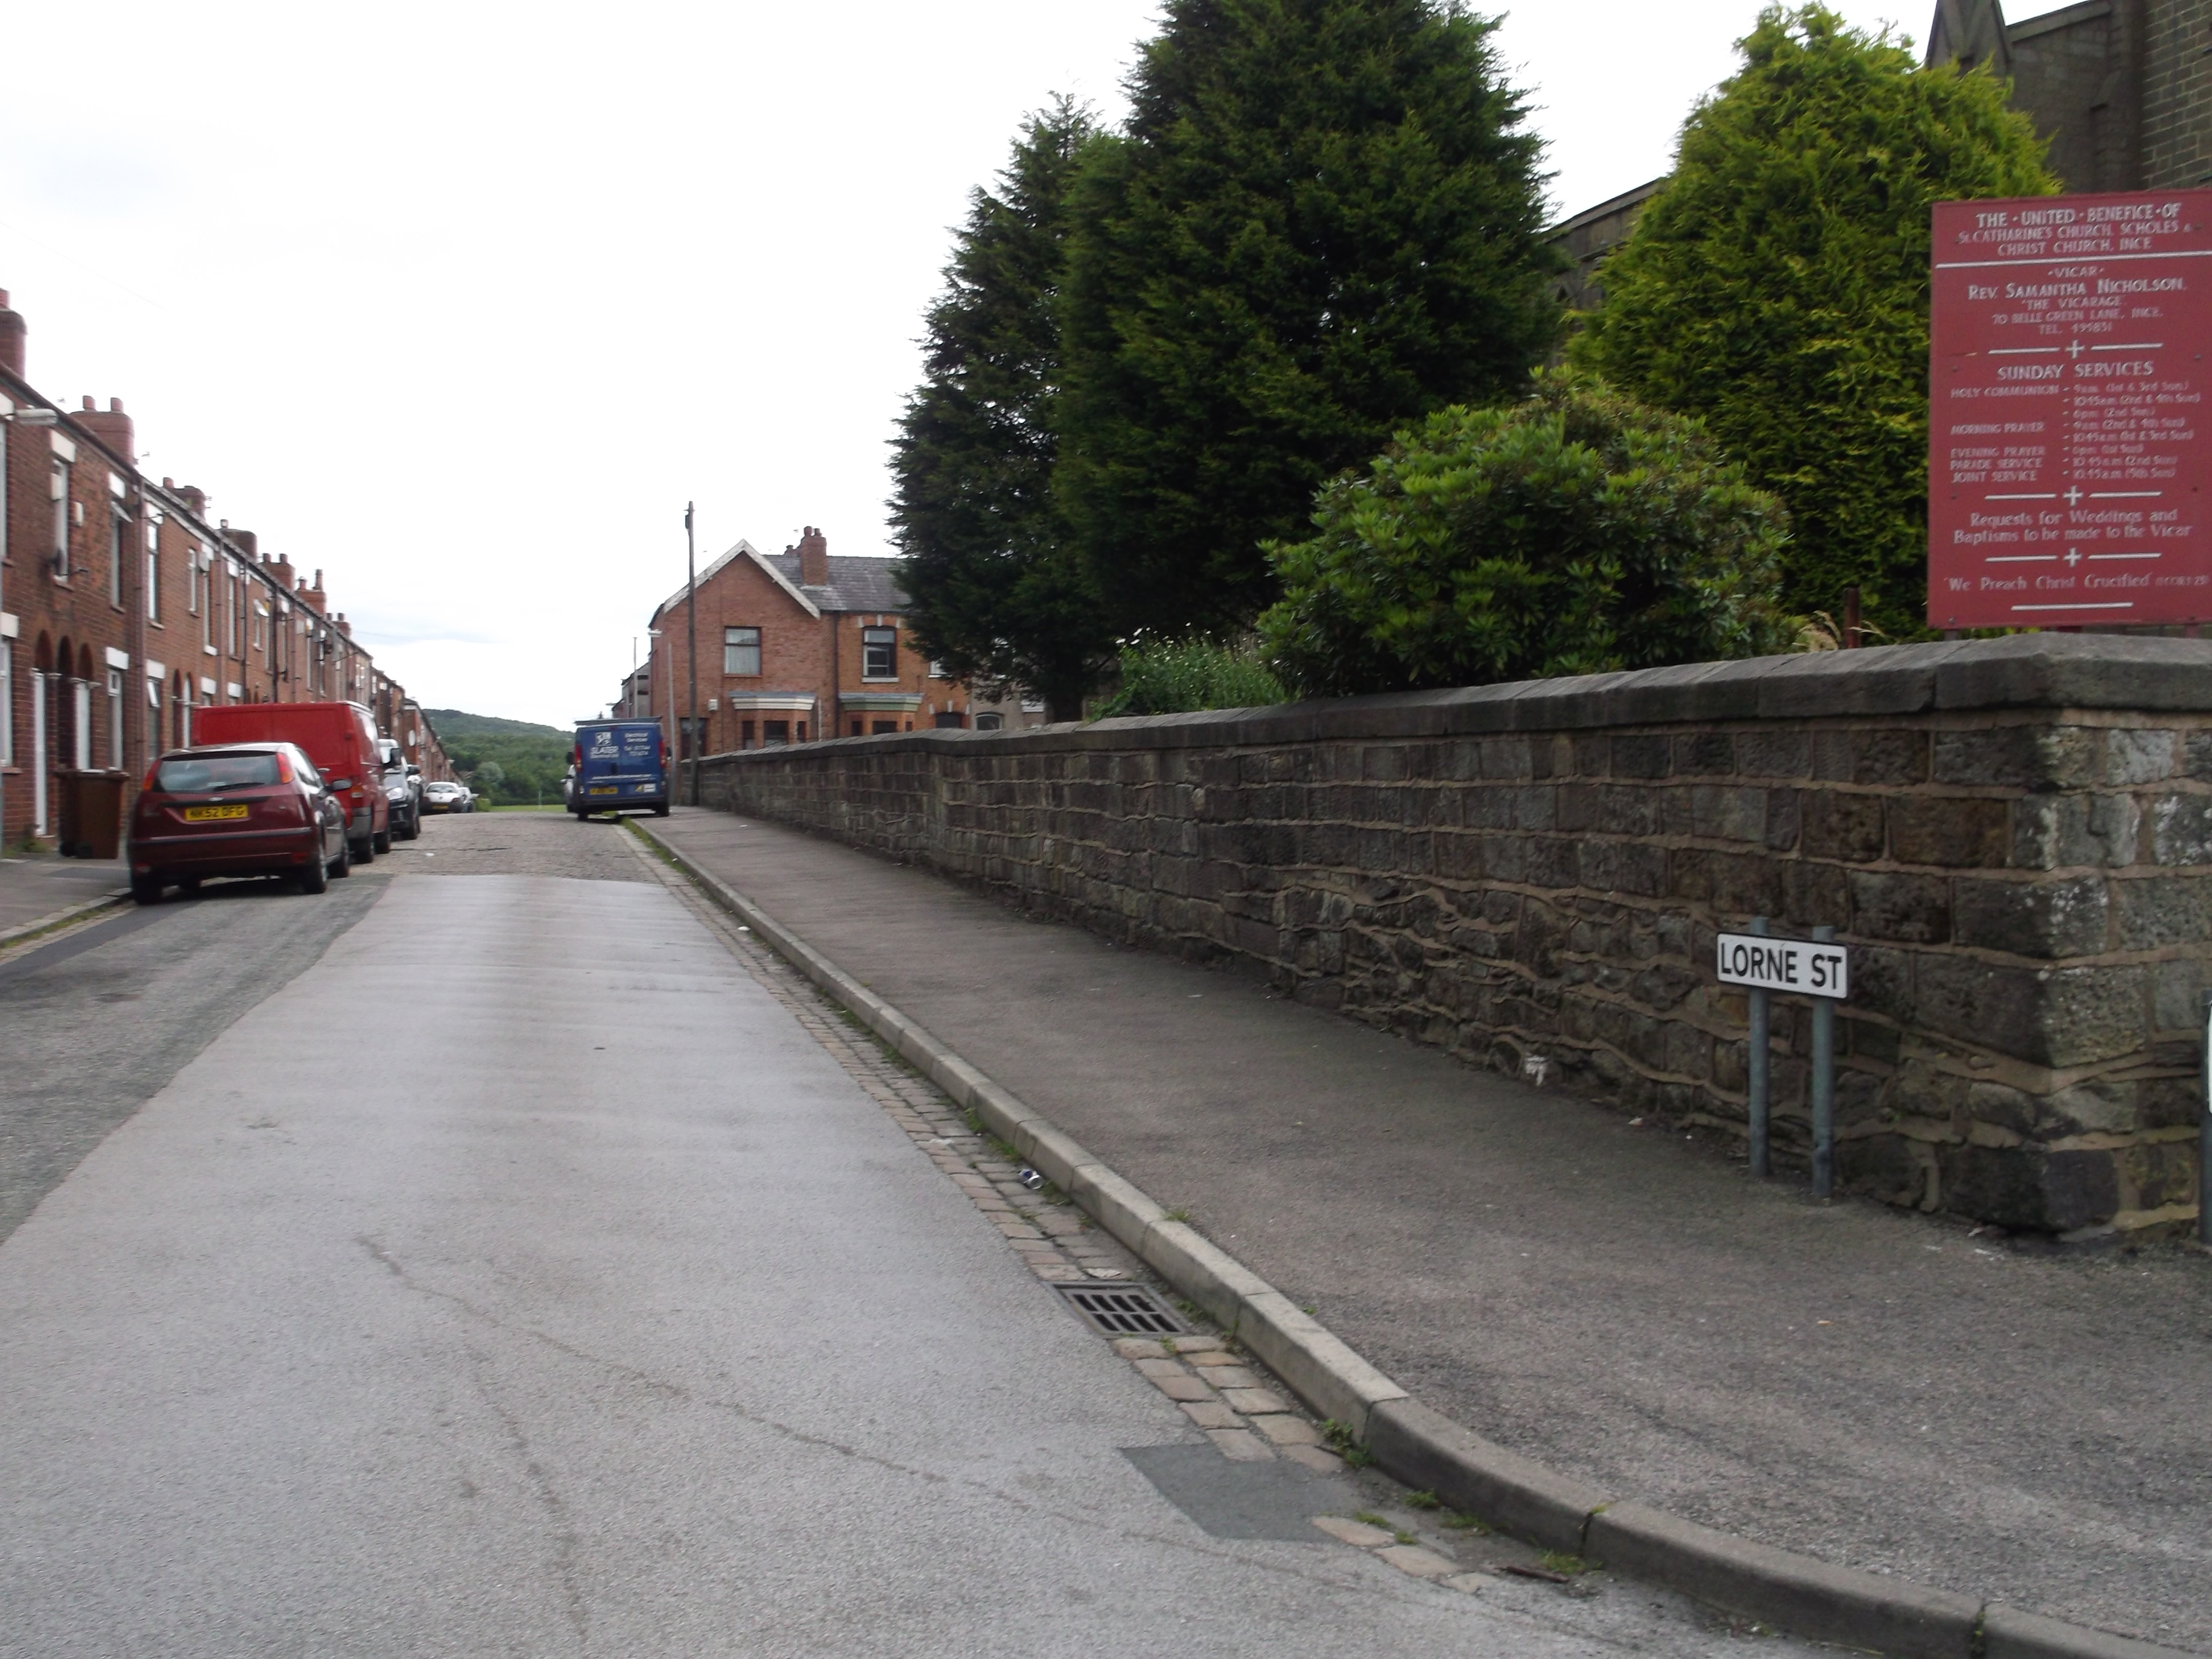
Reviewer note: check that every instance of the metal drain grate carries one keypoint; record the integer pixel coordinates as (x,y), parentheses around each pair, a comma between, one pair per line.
(1122,1309)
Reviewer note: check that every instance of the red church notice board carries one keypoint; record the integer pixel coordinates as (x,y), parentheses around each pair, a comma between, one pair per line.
(2068,446)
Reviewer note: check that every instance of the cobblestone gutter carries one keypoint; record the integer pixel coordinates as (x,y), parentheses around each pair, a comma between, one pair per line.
(2014,835)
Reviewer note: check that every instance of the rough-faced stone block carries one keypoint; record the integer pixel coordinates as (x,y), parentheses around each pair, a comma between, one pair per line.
(1642,756)
(2048,919)
(1705,754)
(1960,831)
(2181,828)
(2028,757)
(1726,812)
(2161,910)
(2139,755)
(2029,1189)
(1784,753)
(1785,820)
(1839,825)
(1900,905)
(1892,759)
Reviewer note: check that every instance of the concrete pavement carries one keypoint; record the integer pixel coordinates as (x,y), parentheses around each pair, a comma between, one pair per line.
(1878,1389)
(36,885)
(605,1314)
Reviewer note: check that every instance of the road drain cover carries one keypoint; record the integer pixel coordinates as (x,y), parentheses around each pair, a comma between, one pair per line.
(1122,1309)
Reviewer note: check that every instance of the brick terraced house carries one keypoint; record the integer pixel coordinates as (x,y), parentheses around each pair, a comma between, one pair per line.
(796,647)
(122,609)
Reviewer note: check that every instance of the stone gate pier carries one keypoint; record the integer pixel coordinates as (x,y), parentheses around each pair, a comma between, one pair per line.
(2014,837)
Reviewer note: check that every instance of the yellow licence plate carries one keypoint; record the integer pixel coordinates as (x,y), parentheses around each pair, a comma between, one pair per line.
(600,789)
(204,814)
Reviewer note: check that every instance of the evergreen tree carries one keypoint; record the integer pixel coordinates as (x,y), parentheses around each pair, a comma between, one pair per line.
(1322,221)
(996,594)
(1573,533)
(1778,287)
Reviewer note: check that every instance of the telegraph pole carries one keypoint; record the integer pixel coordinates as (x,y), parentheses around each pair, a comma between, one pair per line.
(691,648)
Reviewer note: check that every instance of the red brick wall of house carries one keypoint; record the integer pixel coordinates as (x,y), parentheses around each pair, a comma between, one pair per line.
(67,628)
(815,657)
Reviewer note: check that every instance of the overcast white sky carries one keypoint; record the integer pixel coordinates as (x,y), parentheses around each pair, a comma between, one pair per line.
(461,302)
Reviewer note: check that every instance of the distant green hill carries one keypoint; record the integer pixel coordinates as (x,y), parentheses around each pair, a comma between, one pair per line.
(529,758)
(452,723)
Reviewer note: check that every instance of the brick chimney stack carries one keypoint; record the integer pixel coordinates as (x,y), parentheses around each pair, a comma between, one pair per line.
(111,427)
(12,330)
(245,541)
(313,596)
(194,498)
(282,570)
(813,559)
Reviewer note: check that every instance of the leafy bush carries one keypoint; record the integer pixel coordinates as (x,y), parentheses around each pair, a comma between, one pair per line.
(1175,676)
(1572,532)
(1777,287)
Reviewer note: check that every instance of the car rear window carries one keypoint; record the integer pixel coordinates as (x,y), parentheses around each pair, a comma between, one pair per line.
(193,775)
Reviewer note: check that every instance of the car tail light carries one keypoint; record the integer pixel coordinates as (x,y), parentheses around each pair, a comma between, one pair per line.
(152,773)
(284,767)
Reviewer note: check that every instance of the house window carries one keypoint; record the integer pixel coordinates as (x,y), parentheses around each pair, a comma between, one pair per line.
(744,734)
(58,486)
(119,532)
(6,703)
(115,719)
(153,571)
(879,654)
(884,728)
(773,733)
(990,722)
(741,649)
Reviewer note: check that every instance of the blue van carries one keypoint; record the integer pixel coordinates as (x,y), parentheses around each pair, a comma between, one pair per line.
(618,765)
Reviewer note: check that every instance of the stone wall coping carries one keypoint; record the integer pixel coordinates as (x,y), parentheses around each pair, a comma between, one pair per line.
(2020,670)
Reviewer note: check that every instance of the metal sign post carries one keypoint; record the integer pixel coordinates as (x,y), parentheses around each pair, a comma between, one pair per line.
(1756,1065)
(1818,968)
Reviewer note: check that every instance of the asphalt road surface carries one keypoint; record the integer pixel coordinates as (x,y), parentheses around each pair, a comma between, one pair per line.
(488,1265)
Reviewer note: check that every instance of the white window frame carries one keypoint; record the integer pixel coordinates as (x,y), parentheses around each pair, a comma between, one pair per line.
(732,646)
(115,719)
(153,565)
(879,636)
(57,492)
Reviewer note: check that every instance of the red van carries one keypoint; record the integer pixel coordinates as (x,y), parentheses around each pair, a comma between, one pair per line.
(339,737)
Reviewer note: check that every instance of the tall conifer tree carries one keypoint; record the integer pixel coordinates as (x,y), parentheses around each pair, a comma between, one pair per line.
(1778,287)
(997,593)
(1323,222)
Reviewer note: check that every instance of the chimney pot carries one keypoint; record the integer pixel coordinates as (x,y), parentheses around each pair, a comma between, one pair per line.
(89,403)
(115,405)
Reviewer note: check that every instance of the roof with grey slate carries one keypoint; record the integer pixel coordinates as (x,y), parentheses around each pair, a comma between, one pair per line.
(857,582)
(862,582)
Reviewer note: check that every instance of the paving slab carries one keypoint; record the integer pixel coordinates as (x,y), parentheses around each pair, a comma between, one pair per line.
(36,885)
(1878,1389)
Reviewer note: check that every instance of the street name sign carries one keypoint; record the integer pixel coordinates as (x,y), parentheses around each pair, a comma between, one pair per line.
(2068,449)
(1809,967)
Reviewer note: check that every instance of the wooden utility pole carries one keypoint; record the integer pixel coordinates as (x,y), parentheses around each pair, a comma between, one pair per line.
(691,647)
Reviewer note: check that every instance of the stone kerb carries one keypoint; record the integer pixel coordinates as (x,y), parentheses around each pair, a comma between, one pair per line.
(2014,835)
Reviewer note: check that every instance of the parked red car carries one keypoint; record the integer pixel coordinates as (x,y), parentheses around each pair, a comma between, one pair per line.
(239,809)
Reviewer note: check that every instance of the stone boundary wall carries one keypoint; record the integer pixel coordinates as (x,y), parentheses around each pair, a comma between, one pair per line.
(2015,836)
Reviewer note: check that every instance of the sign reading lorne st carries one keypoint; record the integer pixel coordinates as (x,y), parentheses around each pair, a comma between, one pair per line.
(1810,968)
(2067,444)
